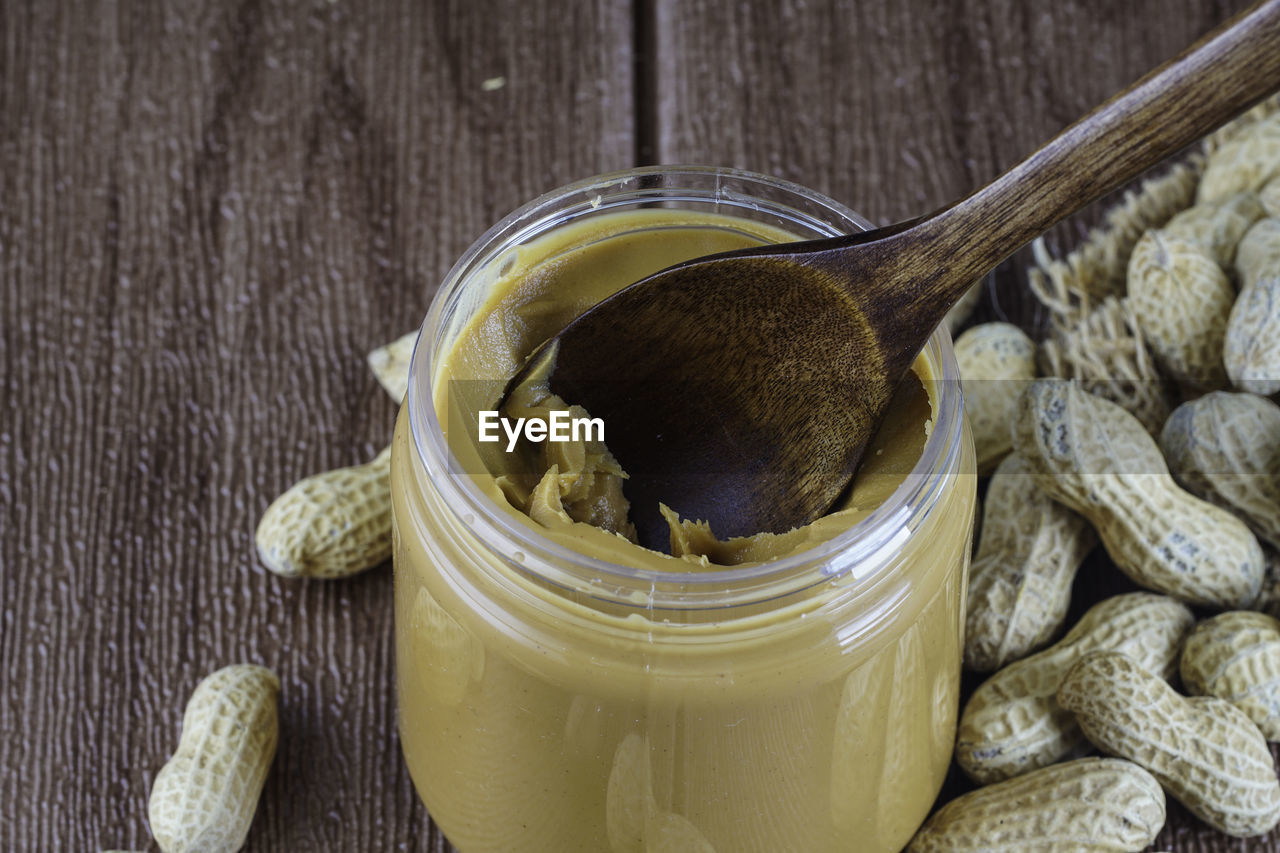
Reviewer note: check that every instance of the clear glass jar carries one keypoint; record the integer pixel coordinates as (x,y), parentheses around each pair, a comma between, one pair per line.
(554,702)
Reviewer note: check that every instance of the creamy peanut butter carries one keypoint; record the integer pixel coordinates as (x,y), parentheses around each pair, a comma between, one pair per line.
(536,717)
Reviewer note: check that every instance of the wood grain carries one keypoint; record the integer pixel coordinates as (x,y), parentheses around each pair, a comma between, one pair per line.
(209,212)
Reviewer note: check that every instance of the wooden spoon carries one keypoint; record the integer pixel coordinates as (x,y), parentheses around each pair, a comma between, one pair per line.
(742,388)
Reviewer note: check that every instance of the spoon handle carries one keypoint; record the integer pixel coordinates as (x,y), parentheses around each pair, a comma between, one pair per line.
(1219,76)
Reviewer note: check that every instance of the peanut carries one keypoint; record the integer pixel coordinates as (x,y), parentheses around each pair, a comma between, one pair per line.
(1225,448)
(1241,124)
(330,525)
(1096,458)
(1020,581)
(1269,197)
(204,798)
(390,364)
(1205,751)
(1269,599)
(1013,724)
(1182,300)
(1236,656)
(1091,804)
(1251,351)
(1217,227)
(1244,163)
(1259,252)
(996,361)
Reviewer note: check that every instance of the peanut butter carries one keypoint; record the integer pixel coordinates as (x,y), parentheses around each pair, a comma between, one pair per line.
(546,287)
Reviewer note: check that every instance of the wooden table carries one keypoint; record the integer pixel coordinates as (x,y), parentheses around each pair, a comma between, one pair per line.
(210,211)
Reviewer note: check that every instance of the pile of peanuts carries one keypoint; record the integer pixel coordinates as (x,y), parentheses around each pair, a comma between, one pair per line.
(1147,422)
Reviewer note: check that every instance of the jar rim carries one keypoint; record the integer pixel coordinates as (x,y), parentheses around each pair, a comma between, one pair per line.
(869,543)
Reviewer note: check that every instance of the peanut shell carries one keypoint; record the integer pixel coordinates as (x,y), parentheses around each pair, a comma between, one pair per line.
(1245,163)
(1251,352)
(1258,255)
(390,364)
(1020,580)
(1182,300)
(1269,599)
(330,525)
(1205,751)
(996,361)
(204,798)
(1096,458)
(1217,227)
(1269,198)
(1225,448)
(1091,804)
(1236,656)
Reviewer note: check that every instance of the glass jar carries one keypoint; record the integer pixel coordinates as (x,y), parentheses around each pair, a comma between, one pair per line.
(552,701)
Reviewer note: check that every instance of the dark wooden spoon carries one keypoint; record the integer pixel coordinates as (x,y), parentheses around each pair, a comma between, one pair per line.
(742,388)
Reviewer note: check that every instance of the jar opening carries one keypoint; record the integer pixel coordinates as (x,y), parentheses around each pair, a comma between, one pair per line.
(856,556)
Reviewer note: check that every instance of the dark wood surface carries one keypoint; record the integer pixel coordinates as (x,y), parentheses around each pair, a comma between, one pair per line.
(209,212)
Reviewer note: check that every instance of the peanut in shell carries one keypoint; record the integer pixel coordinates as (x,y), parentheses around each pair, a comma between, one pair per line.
(1090,804)
(1095,457)
(1205,751)
(1020,581)
(1236,656)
